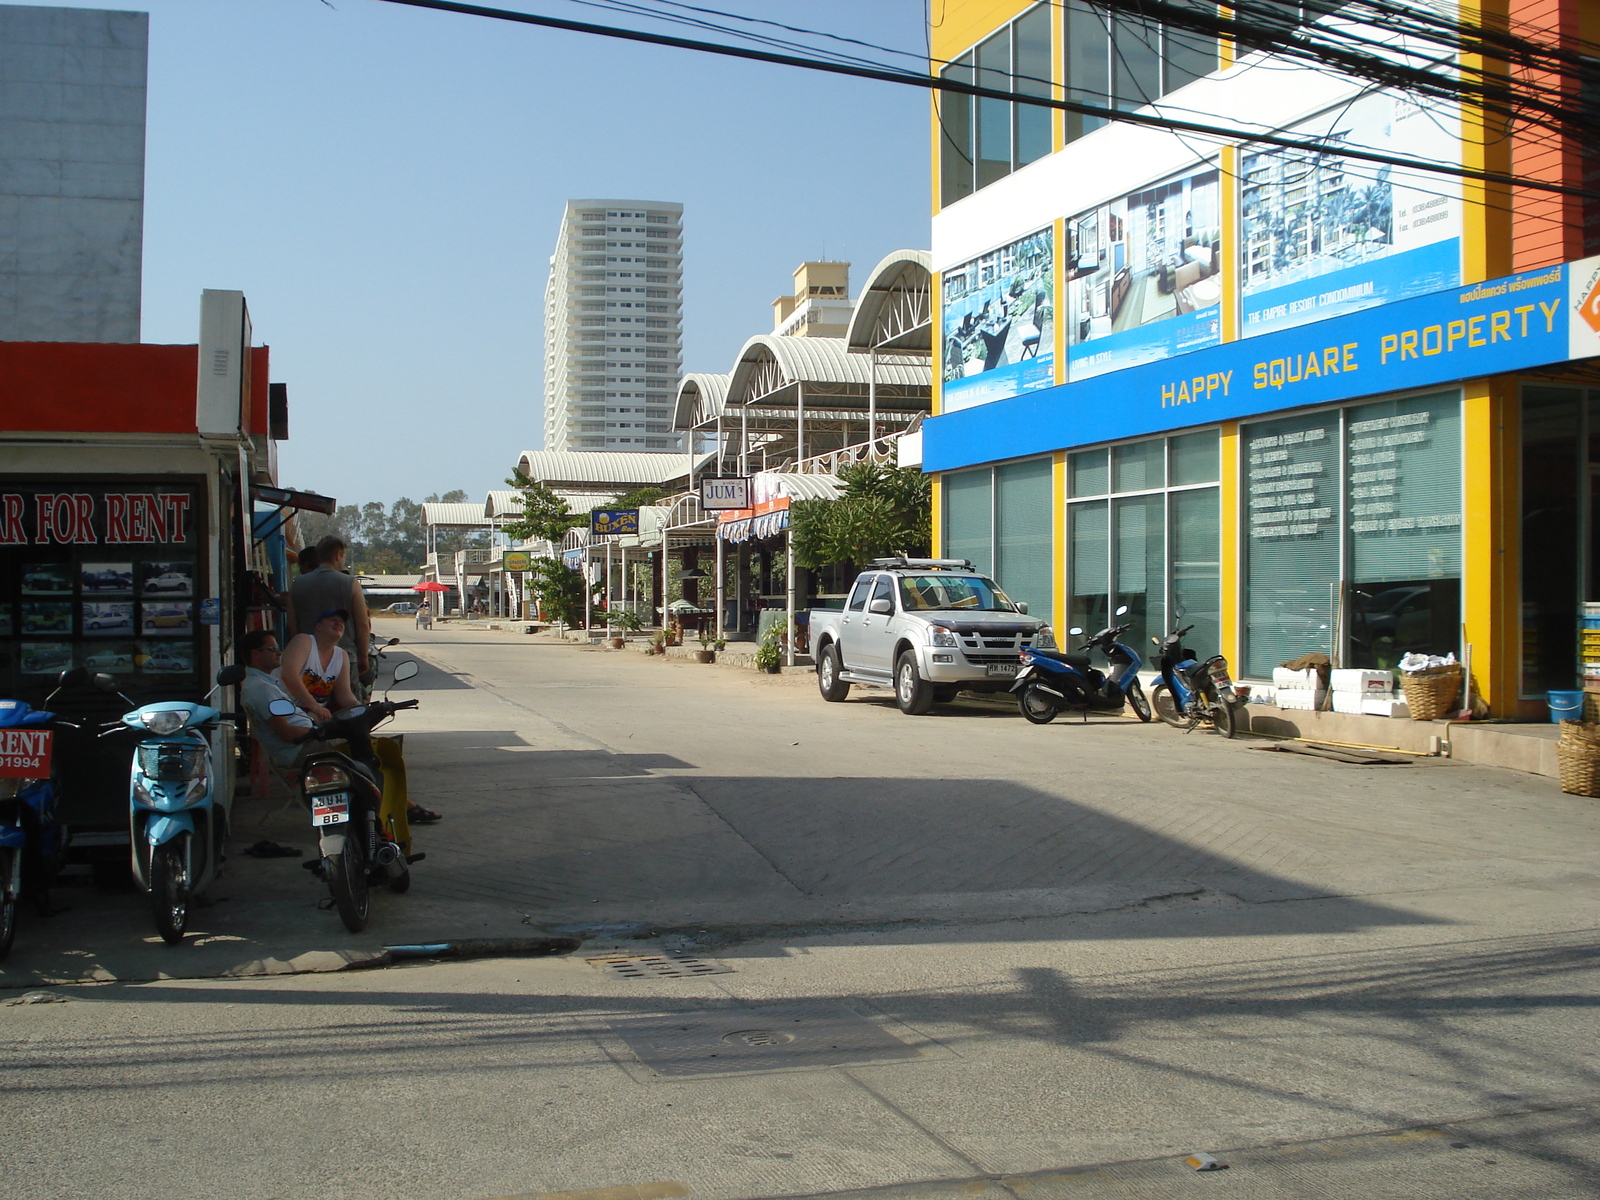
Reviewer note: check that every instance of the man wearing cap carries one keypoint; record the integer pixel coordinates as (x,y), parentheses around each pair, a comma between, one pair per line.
(328,587)
(316,669)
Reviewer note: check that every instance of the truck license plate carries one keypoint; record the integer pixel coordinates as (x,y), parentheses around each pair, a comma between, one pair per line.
(330,810)
(1007,669)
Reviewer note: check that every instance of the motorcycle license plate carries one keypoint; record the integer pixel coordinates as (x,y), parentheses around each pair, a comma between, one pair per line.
(1007,670)
(332,809)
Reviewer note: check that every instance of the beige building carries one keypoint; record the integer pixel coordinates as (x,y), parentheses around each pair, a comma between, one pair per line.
(820,306)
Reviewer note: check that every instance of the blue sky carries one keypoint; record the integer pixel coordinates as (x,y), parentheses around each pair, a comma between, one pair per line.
(385,185)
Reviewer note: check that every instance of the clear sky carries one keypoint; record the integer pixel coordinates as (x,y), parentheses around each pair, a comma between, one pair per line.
(385,185)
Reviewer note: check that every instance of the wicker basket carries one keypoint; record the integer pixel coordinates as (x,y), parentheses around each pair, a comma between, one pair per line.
(1431,693)
(1579,753)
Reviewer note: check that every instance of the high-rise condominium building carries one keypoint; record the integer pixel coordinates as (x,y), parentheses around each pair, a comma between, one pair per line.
(613,327)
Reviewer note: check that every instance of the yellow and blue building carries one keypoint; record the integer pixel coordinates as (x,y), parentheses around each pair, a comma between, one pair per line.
(1306,401)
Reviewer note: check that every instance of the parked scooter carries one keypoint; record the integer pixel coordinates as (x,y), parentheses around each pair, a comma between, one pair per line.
(1192,691)
(178,817)
(1053,681)
(33,844)
(361,825)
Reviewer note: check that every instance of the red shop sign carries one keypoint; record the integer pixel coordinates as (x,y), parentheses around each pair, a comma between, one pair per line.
(25,753)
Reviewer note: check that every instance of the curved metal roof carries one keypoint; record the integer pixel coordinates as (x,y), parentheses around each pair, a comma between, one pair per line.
(801,487)
(701,397)
(503,502)
(898,271)
(465,515)
(816,361)
(597,470)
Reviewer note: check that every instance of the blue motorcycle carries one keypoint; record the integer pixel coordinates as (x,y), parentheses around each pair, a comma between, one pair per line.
(33,844)
(1192,691)
(178,817)
(1053,681)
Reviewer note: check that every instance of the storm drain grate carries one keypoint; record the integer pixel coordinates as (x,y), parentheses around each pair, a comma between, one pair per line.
(659,966)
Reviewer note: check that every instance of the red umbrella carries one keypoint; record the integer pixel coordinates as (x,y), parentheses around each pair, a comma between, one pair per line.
(431,586)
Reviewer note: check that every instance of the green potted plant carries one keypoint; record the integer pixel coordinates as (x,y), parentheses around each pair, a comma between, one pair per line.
(769,651)
(658,642)
(707,652)
(626,621)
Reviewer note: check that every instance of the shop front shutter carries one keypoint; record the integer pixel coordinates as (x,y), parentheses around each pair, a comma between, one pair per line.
(969,517)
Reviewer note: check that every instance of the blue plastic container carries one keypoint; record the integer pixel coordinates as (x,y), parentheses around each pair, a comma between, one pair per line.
(1566,706)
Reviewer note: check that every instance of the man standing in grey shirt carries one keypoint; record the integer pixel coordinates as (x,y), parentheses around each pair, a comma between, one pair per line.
(329,587)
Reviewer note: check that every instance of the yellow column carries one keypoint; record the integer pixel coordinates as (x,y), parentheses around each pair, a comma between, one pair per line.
(1231,550)
(1058,539)
(936,542)
(1232,284)
(1490,540)
(1485,146)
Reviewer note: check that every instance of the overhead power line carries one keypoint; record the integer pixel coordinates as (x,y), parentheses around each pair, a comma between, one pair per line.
(1221,133)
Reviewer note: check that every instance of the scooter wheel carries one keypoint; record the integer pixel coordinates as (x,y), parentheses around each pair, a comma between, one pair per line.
(8,907)
(169,892)
(1224,718)
(1166,707)
(1138,701)
(1033,705)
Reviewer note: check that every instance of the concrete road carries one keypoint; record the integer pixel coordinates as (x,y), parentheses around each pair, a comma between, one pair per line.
(949,955)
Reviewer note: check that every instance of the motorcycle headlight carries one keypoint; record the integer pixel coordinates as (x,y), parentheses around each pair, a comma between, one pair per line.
(940,636)
(1045,638)
(164,722)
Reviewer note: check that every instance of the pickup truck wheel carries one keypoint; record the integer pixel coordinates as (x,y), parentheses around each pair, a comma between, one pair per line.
(912,692)
(833,689)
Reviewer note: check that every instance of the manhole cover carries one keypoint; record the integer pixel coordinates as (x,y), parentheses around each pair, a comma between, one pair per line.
(758,1037)
(660,966)
(733,1040)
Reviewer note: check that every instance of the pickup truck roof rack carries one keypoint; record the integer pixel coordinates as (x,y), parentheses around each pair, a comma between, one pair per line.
(902,563)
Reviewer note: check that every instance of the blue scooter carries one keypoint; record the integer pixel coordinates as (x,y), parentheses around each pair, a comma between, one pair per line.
(178,817)
(1192,691)
(33,844)
(1053,681)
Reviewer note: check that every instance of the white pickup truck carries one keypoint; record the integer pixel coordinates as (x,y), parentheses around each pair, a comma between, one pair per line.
(927,627)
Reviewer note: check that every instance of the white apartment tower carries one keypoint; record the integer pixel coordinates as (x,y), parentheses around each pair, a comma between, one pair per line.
(613,329)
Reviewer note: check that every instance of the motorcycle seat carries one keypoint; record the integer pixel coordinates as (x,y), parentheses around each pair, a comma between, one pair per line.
(1078,662)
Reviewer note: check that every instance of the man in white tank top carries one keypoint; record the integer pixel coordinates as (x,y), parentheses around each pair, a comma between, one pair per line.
(316,670)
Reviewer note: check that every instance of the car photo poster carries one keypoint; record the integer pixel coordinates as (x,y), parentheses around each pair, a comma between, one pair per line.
(997,322)
(98,575)
(1323,236)
(1145,276)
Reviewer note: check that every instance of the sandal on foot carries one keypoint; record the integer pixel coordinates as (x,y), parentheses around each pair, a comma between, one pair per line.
(417,815)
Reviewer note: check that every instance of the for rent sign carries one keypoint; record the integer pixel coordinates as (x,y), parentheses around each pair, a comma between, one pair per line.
(25,753)
(92,518)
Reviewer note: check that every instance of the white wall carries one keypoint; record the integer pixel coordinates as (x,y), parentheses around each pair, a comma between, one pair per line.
(72,120)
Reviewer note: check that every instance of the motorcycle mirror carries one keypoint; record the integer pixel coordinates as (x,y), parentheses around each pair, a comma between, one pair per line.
(1076,631)
(76,677)
(105,683)
(1122,611)
(1181,611)
(282,708)
(230,675)
(1022,607)
(406,670)
(394,641)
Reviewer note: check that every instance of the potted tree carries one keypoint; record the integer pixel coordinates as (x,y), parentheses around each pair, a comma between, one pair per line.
(708,647)
(769,651)
(626,621)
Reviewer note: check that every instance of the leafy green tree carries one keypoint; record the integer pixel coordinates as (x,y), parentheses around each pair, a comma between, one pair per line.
(884,510)
(545,515)
(638,498)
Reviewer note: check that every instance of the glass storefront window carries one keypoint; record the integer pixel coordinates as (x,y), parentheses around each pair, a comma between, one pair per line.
(1087,564)
(1154,550)
(1141,560)
(1354,520)
(1404,492)
(1291,584)
(1552,504)
(1000,519)
(1138,466)
(1090,476)
(1193,458)
(1197,565)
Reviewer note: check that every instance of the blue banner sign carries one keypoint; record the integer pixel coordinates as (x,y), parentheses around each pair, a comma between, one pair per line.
(1508,324)
(606,521)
